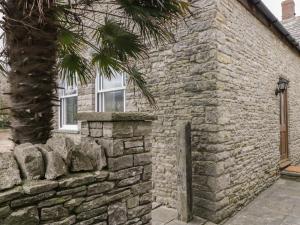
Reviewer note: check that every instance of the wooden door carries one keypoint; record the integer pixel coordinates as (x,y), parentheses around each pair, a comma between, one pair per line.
(284,147)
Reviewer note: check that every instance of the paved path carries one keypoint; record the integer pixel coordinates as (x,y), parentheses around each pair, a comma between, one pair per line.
(166,216)
(5,143)
(279,205)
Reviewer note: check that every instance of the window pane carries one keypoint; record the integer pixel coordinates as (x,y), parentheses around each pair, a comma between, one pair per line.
(70,111)
(114,101)
(115,82)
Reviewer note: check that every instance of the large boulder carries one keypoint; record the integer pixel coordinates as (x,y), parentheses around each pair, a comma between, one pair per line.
(63,146)
(30,161)
(88,156)
(95,152)
(80,161)
(9,171)
(55,165)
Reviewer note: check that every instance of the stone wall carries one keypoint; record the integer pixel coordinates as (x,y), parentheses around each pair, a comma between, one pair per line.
(182,77)
(251,59)
(105,180)
(221,75)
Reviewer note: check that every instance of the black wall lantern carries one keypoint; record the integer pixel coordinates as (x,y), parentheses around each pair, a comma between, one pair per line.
(281,86)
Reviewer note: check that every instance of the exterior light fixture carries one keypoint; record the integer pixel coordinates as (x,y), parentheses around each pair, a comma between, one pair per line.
(281,86)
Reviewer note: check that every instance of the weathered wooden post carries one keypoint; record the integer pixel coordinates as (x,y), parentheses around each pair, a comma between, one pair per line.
(184,174)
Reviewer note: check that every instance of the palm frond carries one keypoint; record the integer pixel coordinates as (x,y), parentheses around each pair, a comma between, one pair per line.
(73,68)
(124,43)
(72,65)
(107,63)
(137,78)
(154,18)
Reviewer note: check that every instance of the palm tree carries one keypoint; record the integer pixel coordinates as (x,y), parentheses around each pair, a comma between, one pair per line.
(44,38)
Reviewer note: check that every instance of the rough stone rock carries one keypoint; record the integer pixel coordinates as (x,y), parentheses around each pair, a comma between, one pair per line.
(71,191)
(4,211)
(54,213)
(129,181)
(32,199)
(9,172)
(76,180)
(63,146)
(101,175)
(133,202)
(54,201)
(123,162)
(96,154)
(146,198)
(36,187)
(55,165)
(100,188)
(25,216)
(68,221)
(126,173)
(71,204)
(80,161)
(142,188)
(142,159)
(117,214)
(139,211)
(11,194)
(91,213)
(30,161)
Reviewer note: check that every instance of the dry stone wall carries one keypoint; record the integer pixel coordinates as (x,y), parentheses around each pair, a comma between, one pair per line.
(104,180)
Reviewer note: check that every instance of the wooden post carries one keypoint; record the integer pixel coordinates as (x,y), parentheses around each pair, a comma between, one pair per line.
(184,174)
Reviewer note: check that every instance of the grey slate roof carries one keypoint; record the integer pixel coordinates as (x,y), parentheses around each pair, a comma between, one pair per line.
(293,27)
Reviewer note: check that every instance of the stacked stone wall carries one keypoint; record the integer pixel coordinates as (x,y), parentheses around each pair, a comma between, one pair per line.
(251,59)
(182,77)
(110,187)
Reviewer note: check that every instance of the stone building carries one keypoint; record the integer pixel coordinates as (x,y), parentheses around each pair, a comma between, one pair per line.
(220,75)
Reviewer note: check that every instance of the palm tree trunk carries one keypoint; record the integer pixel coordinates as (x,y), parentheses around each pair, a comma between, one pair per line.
(31,50)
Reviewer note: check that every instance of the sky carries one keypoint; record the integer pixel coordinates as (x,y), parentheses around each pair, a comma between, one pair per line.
(275,7)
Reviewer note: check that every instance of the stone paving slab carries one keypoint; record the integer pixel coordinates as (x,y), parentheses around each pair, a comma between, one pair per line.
(279,205)
(167,216)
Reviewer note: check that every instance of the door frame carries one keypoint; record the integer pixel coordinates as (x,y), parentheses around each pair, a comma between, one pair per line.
(284,128)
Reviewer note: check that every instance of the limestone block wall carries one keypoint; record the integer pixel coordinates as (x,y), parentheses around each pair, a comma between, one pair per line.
(182,77)
(221,74)
(251,59)
(86,97)
(105,180)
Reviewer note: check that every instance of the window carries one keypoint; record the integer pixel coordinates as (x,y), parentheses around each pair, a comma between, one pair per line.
(110,94)
(68,107)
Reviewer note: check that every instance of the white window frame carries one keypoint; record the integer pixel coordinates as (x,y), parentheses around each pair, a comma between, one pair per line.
(100,91)
(62,98)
